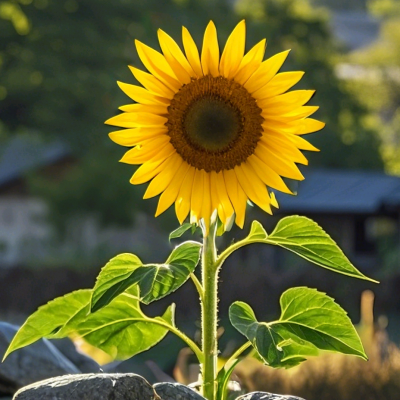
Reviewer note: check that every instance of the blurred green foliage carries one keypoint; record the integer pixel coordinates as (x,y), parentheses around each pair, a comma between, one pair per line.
(60,60)
(376,81)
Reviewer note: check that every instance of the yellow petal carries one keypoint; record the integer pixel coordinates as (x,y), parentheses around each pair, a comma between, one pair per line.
(131,137)
(274,202)
(210,51)
(215,201)
(288,119)
(300,112)
(165,177)
(279,84)
(285,102)
(154,147)
(147,171)
(266,72)
(137,119)
(151,83)
(299,142)
(250,62)
(157,65)
(233,51)
(192,52)
(141,95)
(197,197)
(284,146)
(170,194)
(175,58)
(236,195)
(309,125)
(267,174)
(182,203)
(222,194)
(160,109)
(253,186)
(280,164)
(206,207)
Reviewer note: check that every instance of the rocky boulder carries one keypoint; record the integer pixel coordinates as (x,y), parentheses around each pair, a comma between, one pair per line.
(89,387)
(267,396)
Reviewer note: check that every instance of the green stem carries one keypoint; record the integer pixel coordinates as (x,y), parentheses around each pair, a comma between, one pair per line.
(192,345)
(209,313)
(199,288)
(238,352)
(235,246)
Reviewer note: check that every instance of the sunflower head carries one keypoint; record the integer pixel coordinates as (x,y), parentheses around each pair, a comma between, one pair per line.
(211,132)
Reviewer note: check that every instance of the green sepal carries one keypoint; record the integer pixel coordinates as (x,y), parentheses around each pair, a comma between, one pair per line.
(307,239)
(310,321)
(222,228)
(178,232)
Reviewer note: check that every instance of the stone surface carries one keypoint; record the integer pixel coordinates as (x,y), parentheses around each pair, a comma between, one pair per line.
(38,361)
(89,387)
(267,396)
(176,391)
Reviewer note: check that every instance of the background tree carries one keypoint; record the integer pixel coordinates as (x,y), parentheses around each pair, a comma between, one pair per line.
(375,80)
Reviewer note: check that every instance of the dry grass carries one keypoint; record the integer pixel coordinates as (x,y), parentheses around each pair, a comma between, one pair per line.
(329,377)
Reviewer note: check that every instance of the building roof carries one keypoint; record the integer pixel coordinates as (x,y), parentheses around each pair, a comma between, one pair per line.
(343,191)
(355,29)
(25,153)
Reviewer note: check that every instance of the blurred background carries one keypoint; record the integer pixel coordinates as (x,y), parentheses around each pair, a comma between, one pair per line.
(66,205)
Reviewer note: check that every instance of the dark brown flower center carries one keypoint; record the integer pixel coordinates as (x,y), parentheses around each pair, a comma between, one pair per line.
(214,123)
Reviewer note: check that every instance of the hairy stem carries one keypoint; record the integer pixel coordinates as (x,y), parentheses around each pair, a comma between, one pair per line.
(209,313)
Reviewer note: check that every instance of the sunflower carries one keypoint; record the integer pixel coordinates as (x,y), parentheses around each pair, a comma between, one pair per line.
(212,132)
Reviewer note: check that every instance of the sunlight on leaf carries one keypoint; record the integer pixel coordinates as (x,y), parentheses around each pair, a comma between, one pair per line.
(310,320)
(307,239)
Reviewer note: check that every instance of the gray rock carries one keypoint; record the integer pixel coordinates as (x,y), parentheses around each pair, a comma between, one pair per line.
(33,363)
(267,396)
(84,363)
(89,387)
(176,391)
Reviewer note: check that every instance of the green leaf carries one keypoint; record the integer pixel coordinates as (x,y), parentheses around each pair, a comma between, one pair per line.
(178,232)
(50,318)
(159,280)
(310,320)
(111,280)
(155,280)
(308,240)
(122,330)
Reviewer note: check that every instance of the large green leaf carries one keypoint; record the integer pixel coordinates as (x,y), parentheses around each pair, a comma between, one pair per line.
(111,281)
(310,320)
(306,238)
(159,280)
(50,318)
(120,329)
(155,280)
